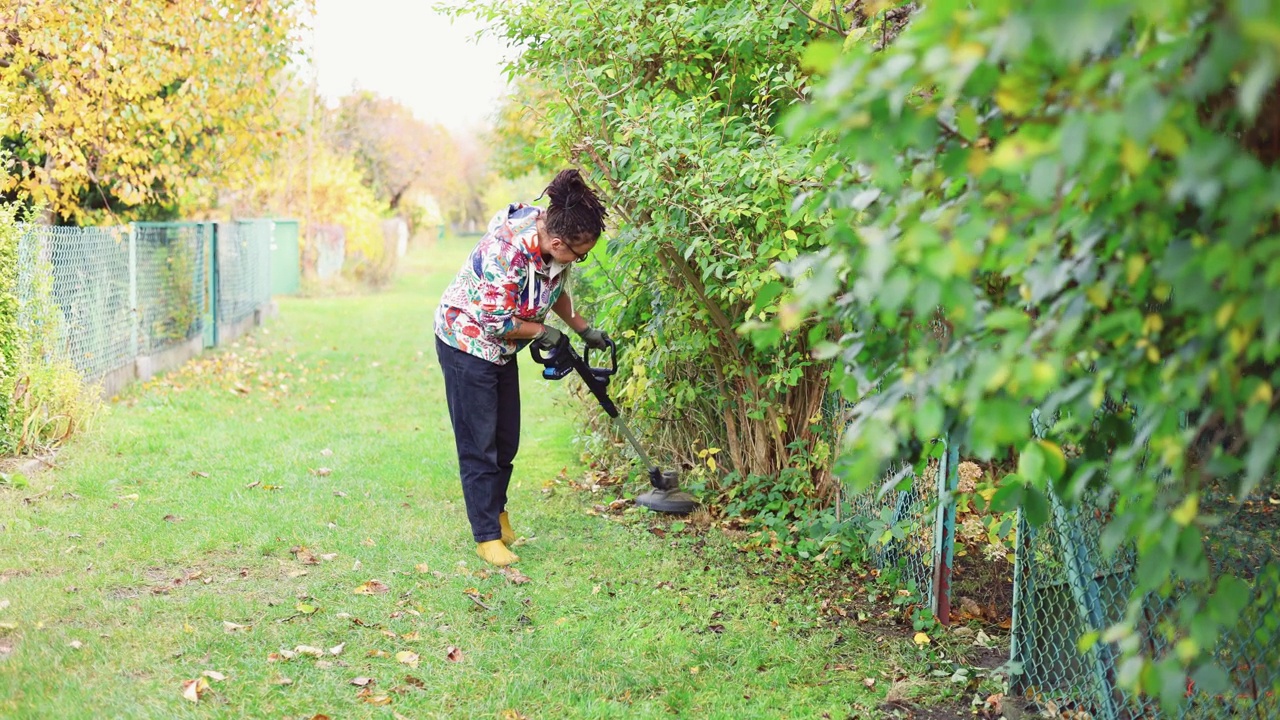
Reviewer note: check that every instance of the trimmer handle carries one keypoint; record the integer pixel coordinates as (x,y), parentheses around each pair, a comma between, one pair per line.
(603,372)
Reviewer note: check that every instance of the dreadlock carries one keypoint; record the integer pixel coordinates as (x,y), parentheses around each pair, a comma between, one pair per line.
(576,215)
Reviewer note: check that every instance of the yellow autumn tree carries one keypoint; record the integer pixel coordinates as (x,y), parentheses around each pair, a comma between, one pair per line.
(129,111)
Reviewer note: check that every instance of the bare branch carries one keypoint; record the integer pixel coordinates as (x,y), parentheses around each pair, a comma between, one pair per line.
(816,21)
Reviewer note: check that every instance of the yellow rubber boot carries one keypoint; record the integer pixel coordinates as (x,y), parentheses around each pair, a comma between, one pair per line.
(495,553)
(508,535)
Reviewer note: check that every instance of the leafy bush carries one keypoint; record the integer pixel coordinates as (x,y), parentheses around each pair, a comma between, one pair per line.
(1070,207)
(43,399)
(671,110)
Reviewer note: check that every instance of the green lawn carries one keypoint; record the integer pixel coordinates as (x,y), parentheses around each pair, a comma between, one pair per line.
(198,504)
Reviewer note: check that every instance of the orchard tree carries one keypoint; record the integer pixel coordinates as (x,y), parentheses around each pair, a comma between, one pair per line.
(136,109)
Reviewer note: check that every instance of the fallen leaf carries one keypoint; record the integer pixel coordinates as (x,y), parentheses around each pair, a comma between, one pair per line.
(378,653)
(717,628)
(322,472)
(326,452)
(514,576)
(309,651)
(305,608)
(214,675)
(410,636)
(130,496)
(869,682)
(319,716)
(407,657)
(367,542)
(324,664)
(197,473)
(372,587)
(921,639)
(512,715)
(453,654)
(172,518)
(281,680)
(337,649)
(254,484)
(366,695)
(415,682)
(983,640)
(75,644)
(191,689)
(362,681)
(328,556)
(339,493)
(230,627)
(422,568)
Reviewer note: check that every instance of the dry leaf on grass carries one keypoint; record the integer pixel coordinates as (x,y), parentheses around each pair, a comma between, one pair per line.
(512,715)
(514,576)
(366,695)
(192,689)
(309,651)
(337,649)
(321,472)
(362,681)
(373,587)
(230,627)
(407,657)
(214,675)
(453,654)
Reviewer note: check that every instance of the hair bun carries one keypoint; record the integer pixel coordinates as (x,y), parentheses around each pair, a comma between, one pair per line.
(575,211)
(567,189)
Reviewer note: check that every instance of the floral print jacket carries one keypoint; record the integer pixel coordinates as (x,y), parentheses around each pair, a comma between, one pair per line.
(504,280)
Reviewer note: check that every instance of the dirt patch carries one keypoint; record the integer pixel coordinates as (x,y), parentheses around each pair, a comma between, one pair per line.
(985,583)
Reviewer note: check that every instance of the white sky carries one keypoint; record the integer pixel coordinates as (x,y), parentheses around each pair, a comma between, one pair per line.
(404,50)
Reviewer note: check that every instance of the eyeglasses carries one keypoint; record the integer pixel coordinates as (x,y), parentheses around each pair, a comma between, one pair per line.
(576,256)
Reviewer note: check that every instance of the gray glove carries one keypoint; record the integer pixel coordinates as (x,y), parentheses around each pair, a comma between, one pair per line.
(549,337)
(595,339)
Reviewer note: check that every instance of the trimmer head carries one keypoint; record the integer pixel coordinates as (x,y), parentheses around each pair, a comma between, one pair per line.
(666,495)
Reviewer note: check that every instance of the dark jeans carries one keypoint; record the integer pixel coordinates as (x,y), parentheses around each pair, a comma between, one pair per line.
(484,407)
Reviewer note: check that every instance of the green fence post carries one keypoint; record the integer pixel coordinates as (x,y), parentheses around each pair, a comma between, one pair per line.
(135,315)
(1084,592)
(944,532)
(214,299)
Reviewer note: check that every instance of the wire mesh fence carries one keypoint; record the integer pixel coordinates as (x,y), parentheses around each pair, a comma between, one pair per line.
(910,533)
(244,268)
(171,267)
(108,296)
(1065,587)
(85,273)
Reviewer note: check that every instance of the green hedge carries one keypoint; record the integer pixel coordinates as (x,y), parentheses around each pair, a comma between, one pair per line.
(9,237)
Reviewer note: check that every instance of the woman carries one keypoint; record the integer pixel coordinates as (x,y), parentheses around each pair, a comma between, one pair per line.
(494,307)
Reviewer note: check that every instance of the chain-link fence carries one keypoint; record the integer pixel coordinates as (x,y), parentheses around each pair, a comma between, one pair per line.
(115,295)
(909,532)
(243,268)
(1066,587)
(171,266)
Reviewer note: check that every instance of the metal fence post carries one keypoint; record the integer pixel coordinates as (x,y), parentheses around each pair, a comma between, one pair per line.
(214,297)
(135,315)
(1084,591)
(944,532)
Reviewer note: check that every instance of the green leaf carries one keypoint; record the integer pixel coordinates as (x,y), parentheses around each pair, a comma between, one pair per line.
(1036,506)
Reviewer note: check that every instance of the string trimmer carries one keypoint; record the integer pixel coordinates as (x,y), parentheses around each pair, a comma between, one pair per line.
(561,360)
